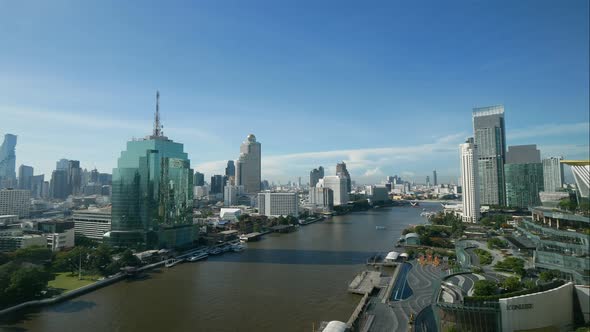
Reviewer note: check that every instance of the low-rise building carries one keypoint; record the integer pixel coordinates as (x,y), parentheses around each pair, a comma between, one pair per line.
(278,204)
(15,201)
(59,233)
(93,223)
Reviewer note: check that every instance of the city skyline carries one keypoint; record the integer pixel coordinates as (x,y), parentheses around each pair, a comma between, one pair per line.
(287,88)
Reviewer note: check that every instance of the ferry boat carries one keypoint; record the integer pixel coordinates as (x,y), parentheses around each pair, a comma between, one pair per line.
(198,257)
(379,227)
(238,247)
(215,251)
(172,261)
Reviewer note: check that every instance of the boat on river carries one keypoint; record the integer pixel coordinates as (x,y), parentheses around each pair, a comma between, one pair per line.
(198,257)
(238,247)
(172,261)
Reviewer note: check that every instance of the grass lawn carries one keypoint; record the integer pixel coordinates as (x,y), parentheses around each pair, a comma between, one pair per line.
(65,281)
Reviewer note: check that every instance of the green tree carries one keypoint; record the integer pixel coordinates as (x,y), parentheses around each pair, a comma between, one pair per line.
(128,259)
(83,241)
(101,258)
(511,284)
(484,288)
(33,254)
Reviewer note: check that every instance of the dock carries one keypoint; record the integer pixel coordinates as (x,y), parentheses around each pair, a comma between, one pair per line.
(365,282)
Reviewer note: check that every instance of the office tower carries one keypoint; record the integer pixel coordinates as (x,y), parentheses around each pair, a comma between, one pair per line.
(25,177)
(152,193)
(74,177)
(230,169)
(8,162)
(59,184)
(94,176)
(62,164)
(342,171)
(278,204)
(428,180)
(37,186)
(265,185)
(321,196)
(377,193)
(552,174)
(315,175)
(199,179)
(217,184)
(105,178)
(230,195)
(524,176)
(338,184)
(469,181)
(490,139)
(15,201)
(248,165)
(434,178)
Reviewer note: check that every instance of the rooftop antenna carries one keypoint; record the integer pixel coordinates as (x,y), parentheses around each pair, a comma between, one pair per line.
(157,125)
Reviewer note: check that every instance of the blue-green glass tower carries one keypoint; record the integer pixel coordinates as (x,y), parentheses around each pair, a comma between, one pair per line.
(152,194)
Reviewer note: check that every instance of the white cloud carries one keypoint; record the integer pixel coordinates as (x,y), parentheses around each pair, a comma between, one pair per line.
(373,172)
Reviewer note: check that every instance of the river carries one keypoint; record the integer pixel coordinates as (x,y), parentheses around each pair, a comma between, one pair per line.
(285,282)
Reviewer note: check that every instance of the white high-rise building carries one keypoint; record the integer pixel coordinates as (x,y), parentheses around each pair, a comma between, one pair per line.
(248,167)
(278,204)
(230,195)
(552,174)
(339,186)
(15,202)
(469,178)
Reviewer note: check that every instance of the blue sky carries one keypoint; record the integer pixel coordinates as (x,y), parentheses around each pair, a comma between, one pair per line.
(387,86)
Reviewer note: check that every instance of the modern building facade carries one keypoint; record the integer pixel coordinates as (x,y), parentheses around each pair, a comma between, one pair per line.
(199,179)
(8,162)
(74,177)
(434,178)
(25,177)
(315,175)
(524,176)
(15,202)
(58,233)
(338,184)
(377,193)
(59,184)
(278,204)
(470,181)
(230,169)
(248,165)
(152,194)
(490,138)
(321,197)
(562,241)
(343,172)
(218,182)
(552,174)
(581,172)
(92,223)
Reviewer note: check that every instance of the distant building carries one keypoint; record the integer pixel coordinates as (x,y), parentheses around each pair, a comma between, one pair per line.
(377,193)
(25,177)
(59,234)
(581,172)
(490,138)
(74,177)
(37,182)
(338,185)
(434,178)
(15,201)
(12,239)
(229,214)
(321,197)
(428,180)
(230,169)
(524,176)
(248,165)
(342,171)
(552,174)
(152,194)
(92,223)
(201,191)
(8,162)
(469,179)
(62,165)
(230,195)
(315,175)
(217,184)
(59,184)
(199,179)
(278,204)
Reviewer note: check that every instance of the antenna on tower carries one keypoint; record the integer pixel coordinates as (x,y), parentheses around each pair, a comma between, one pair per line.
(157,125)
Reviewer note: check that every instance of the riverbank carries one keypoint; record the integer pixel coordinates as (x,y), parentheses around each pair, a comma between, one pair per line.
(286,282)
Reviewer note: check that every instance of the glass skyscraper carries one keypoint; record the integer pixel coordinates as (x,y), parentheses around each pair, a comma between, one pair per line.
(8,161)
(490,138)
(553,174)
(152,194)
(524,176)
